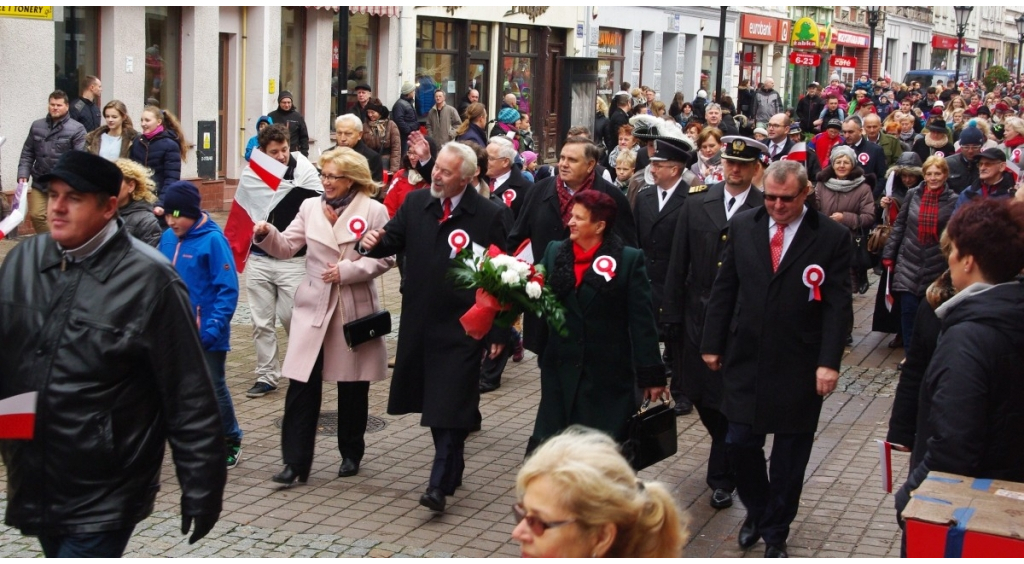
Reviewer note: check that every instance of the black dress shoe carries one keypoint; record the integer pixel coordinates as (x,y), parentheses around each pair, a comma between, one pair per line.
(290,474)
(683,407)
(720,499)
(896,342)
(863,288)
(433,500)
(749,534)
(488,387)
(776,551)
(348,468)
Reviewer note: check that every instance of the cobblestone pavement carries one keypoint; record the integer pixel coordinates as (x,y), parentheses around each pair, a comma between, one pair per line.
(843,510)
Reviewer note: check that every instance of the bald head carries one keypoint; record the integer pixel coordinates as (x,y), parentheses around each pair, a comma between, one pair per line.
(510,99)
(769,83)
(872,126)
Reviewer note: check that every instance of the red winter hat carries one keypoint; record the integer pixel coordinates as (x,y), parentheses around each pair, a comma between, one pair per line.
(936,110)
(1002,107)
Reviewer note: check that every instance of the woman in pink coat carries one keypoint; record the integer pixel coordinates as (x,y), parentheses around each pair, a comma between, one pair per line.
(338,288)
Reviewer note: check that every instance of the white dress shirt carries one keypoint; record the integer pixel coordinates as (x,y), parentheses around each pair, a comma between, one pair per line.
(789,234)
(740,198)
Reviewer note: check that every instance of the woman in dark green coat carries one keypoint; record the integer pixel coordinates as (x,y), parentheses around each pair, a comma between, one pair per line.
(589,376)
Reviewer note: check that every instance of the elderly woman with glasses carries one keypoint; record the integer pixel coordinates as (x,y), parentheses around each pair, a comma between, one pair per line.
(338,288)
(578,497)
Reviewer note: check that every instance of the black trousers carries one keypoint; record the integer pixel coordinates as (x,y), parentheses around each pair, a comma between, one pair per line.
(720,475)
(772,497)
(492,368)
(673,358)
(449,458)
(302,412)
(106,544)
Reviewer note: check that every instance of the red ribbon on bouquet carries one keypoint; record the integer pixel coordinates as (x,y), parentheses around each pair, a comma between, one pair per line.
(478,320)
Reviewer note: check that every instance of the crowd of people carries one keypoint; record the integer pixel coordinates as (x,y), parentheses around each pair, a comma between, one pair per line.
(706,254)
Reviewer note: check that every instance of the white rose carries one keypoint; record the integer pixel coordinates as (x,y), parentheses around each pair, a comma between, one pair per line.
(510,278)
(533,290)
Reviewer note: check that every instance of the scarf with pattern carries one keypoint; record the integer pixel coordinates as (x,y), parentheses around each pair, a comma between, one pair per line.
(565,198)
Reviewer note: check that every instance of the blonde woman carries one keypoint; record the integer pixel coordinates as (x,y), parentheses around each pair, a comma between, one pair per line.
(135,202)
(577,497)
(338,288)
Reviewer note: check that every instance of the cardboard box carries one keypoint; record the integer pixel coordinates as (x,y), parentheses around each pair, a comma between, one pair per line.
(955,516)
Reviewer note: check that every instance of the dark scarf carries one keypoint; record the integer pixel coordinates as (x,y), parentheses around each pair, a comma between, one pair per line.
(565,198)
(928,216)
(338,205)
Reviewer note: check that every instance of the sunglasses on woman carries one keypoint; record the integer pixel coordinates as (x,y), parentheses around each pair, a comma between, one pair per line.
(536,525)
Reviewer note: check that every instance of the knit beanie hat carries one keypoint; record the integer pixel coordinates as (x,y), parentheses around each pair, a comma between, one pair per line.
(529,157)
(284,94)
(971,135)
(407,87)
(842,151)
(182,199)
(508,116)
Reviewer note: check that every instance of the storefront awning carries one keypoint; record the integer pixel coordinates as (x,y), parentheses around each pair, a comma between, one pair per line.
(386,11)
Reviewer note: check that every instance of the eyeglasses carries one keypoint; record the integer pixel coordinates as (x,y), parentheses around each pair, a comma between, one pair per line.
(971,147)
(776,125)
(490,158)
(537,527)
(785,199)
(331,177)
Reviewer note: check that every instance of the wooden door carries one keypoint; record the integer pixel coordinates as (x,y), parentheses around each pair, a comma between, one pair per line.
(549,142)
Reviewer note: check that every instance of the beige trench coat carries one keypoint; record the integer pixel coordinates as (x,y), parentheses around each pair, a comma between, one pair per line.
(322,309)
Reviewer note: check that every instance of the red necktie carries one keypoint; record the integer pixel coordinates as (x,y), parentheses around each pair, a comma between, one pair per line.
(776,245)
(491,186)
(447,210)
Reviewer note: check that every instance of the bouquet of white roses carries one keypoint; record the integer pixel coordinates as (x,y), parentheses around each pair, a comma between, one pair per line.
(505,287)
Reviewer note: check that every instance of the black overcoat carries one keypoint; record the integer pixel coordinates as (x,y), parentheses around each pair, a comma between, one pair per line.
(589,377)
(437,368)
(519,187)
(540,221)
(655,229)
(771,335)
(697,247)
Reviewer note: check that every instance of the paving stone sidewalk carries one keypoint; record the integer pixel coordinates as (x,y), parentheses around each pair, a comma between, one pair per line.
(843,510)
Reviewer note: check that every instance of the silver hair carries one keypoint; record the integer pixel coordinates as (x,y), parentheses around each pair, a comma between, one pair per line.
(506,149)
(351,119)
(469,165)
(856,120)
(782,171)
(713,106)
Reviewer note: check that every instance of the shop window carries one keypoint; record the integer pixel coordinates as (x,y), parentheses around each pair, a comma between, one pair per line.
(750,64)
(76,53)
(435,62)
(293,49)
(163,58)
(361,64)
(891,48)
(479,36)
(518,64)
(611,55)
(709,66)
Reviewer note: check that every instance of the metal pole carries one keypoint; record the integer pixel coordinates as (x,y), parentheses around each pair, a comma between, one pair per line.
(1020,45)
(721,56)
(959,44)
(342,61)
(871,52)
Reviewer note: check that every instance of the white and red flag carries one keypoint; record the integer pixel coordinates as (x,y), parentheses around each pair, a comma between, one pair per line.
(260,188)
(18,416)
(885,464)
(797,153)
(17,215)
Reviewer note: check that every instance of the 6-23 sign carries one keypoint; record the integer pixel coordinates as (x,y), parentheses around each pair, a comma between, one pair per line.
(804,59)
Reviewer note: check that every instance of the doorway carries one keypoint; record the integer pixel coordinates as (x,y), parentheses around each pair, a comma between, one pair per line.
(555,49)
(222,104)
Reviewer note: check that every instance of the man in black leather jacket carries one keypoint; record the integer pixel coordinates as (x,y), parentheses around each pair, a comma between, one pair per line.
(98,325)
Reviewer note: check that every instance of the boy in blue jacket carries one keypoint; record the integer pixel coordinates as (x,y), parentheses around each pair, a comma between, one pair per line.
(254,141)
(199,251)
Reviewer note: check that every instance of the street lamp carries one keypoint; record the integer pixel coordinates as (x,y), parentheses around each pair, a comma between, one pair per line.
(962,14)
(872,23)
(1020,43)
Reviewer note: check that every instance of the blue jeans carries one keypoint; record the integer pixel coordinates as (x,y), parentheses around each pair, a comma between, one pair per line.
(215,363)
(908,313)
(108,544)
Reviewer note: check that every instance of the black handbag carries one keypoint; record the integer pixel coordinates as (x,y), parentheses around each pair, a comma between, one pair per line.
(861,257)
(651,435)
(367,328)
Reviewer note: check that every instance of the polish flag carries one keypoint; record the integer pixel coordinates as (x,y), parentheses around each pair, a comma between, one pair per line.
(885,464)
(889,300)
(18,416)
(12,221)
(256,195)
(1014,170)
(797,153)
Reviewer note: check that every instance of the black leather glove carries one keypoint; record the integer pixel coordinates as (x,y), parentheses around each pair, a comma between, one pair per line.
(204,524)
(670,331)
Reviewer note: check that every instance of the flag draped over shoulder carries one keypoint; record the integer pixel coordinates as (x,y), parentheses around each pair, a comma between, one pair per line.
(260,188)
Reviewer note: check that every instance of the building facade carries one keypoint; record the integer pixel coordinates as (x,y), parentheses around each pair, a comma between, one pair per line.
(908,38)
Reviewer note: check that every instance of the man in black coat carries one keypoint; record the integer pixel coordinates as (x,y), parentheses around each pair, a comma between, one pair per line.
(509,188)
(544,215)
(657,209)
(809,108)
(288,115)
(776,326)
(700,238)
(437,368)
(870,156)
(84,109)
(403,113)
(348,132)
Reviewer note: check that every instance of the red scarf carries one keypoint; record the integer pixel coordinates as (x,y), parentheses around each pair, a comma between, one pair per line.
(583,260)
(928,217)
(564,197)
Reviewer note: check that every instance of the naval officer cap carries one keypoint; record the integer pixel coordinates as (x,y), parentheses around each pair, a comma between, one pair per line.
(742,149)
(670,150)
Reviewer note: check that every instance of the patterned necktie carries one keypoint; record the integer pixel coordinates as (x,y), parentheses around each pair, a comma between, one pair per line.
(775,150)
(776,245)
(447,210)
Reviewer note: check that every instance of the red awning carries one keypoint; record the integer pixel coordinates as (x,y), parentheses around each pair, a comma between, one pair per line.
(387,11)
